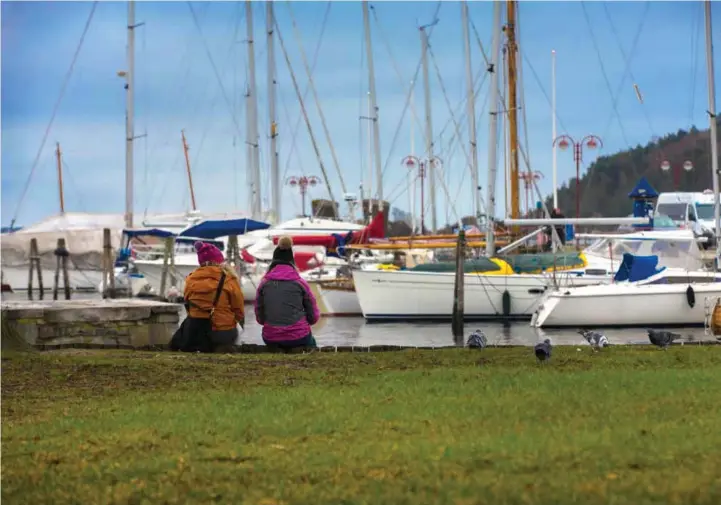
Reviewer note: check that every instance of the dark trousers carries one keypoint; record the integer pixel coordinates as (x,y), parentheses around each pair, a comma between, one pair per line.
(308,342)
(224,340)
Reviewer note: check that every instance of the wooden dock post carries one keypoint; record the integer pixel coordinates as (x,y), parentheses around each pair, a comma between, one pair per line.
(35,265)
(108,266)
(458,291)
(61,253)
(232,255)
(166,260)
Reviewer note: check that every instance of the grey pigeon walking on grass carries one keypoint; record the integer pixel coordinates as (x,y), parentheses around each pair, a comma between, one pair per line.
(662,338)
(594,338)
(477,340)
(542,350)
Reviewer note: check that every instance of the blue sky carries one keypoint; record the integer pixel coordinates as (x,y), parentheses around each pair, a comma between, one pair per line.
(176,89)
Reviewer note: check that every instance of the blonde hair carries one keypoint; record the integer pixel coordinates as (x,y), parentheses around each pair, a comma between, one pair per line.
(229,270)
(285,242)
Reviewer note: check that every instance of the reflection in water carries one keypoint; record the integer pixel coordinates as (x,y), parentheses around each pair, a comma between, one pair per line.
(354,331)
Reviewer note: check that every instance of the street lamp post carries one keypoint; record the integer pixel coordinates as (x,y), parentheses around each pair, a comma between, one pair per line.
(528,179)
(591,142)
(411,162)
(666,166)
(303,182)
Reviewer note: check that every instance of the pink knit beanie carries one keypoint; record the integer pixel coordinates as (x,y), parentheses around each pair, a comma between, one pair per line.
(208,253)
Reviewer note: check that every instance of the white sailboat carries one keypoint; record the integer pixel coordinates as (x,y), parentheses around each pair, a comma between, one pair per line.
(666,298)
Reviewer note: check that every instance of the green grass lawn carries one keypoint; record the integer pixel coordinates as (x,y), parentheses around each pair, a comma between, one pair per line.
(629,425)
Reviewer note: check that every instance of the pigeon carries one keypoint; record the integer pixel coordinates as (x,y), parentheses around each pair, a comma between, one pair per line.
(542,350)
(662,338)
(477,340)
(594,338)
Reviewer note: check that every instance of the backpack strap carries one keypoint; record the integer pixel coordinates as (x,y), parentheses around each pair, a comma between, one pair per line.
(218,292)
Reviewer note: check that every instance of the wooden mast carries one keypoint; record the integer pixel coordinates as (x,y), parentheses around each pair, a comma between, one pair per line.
(187,169)
(512,106)
(59,155)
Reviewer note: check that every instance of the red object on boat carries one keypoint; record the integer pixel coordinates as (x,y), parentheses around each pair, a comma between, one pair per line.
(246,256)
(305,260)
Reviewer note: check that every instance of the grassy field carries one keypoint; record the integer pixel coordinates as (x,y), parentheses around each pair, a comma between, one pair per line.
(629,425)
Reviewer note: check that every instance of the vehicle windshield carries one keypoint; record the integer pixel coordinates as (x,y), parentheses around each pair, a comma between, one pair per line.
(676,211)
(663,221)
(705,211)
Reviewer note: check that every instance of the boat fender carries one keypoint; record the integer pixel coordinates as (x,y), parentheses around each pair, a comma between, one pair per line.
(690,297)
(506,303)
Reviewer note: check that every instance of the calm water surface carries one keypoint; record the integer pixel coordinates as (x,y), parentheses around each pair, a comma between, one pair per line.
(343,331)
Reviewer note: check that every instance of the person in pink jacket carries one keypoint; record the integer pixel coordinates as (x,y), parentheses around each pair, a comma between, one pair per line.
(284,302)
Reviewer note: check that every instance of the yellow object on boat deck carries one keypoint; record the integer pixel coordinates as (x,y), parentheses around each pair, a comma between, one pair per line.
(504,268)
(387,266)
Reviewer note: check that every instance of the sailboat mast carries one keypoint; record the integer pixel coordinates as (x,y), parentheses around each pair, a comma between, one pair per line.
(130,116)
(374,105)
(370,158)
(554,165)
(493,68)
(59,155)
(712,127)
(512,106)
(429,130)
(470,105)
(274,169)
(187,169)
(412,172)
(256,208)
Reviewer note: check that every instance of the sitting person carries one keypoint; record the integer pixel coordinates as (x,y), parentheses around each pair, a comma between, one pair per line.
(284,303)
(201,288)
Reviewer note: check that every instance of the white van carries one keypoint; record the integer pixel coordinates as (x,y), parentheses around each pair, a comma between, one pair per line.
(692,210)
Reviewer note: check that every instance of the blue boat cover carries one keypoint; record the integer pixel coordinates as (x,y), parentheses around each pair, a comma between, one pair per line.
(637,268)
(212,229)
(148,232)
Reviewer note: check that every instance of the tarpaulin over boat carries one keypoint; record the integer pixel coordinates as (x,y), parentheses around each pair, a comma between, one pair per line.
(213,228)
(519,263)
(637,268)
(537,263)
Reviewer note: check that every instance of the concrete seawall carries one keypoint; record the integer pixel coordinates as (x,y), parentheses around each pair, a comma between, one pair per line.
(124,323)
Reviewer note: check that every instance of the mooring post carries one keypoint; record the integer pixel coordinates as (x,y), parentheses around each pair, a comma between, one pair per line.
(457,318)
(61,255)
(233,253)
(108,265)
(171,268)
(33,256)
(166,259)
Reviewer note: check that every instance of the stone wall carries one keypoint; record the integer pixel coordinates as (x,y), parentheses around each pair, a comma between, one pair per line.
(127,323)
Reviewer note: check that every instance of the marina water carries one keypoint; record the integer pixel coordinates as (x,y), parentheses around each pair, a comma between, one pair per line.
(346,331)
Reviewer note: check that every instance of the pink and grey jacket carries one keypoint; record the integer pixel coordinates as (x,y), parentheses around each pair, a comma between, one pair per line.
(285,305)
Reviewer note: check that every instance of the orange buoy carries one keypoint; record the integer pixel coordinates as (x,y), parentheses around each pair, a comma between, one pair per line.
(716,318)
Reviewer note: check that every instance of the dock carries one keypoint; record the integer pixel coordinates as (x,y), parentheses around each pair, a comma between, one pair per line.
(121,323)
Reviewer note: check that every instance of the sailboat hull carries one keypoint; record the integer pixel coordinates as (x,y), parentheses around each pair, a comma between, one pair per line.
(407,295)
(625,305)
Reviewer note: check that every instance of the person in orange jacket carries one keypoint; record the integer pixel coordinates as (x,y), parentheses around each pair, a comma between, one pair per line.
(200,291)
